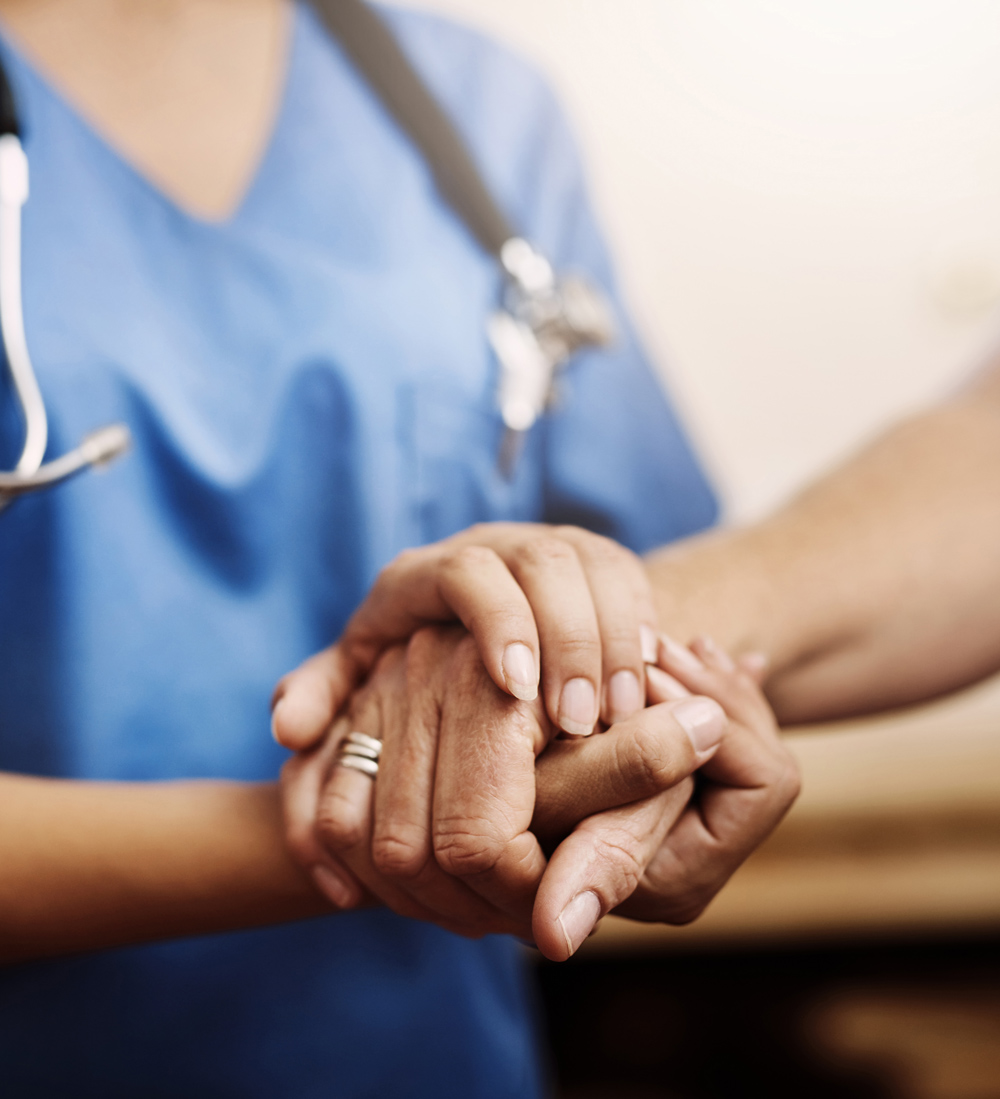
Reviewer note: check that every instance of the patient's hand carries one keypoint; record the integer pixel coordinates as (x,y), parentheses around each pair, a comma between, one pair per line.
(460,809)
(742,792)
(462,857)
(453,827)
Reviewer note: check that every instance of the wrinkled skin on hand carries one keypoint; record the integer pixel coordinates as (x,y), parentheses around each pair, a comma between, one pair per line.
(456,827)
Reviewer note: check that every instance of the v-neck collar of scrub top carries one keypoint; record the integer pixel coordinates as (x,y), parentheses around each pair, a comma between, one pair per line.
(109,150)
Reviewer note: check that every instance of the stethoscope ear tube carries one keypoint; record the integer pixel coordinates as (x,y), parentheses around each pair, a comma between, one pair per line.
(102,446)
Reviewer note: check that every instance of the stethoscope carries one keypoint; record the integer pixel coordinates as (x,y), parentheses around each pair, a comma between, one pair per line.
(542,321)
(32,472)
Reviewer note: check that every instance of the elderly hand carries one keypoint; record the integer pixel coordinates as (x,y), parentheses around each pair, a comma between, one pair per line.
(615,788)
(452,829)
(404,835)
(742,792)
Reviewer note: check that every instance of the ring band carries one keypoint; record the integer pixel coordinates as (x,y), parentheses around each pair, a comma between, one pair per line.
(360,752)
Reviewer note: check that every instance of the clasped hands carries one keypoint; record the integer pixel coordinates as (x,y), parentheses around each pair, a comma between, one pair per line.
(483,663)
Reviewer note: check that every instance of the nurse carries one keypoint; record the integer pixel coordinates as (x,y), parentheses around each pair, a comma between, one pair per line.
(231,248)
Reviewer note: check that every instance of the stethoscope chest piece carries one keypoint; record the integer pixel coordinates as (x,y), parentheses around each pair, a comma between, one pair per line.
(543,322)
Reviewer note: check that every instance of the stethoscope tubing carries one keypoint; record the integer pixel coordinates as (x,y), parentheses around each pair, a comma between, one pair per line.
(13,195)
(30,473)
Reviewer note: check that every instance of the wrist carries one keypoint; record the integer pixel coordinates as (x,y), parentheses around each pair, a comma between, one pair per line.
(717,584)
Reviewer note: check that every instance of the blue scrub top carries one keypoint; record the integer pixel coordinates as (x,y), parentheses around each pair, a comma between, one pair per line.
(310,390)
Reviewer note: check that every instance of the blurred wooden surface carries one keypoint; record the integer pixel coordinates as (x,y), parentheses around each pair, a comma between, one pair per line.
(897,831)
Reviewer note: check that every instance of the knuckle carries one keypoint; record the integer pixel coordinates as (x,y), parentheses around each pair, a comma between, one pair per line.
(646,758)
(691,896)
(469,559)
(580,644)
(393,574)
(781,776)
(339,823)
(619,865)
(545,551)
(464,848)
(420,648)
(605,551)
(789,783)
(406,558)
(399,853)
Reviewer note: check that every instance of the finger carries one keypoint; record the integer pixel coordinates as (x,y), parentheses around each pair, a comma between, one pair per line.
(753,782)
(301,779)
(756,665)
(598,867)
(401,841)
(343,801)
(449,581)
(644,755)
(623,603)
(401,845)
(345,818)
(662,687)
(345,822)
(344,812)
(707,669)
(551,575)
(306,700)
(485,788)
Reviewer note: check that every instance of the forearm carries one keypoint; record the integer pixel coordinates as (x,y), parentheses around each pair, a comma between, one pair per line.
(880,585)
(88,865)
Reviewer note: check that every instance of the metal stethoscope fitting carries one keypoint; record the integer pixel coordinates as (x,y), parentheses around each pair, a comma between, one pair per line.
(544,320)
(102,446)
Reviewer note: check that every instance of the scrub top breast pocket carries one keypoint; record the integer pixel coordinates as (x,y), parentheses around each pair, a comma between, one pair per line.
(453,472)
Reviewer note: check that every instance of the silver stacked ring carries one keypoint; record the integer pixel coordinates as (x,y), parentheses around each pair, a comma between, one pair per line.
(361,752)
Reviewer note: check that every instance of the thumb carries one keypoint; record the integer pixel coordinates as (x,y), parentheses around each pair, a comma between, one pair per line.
(306,700)
(645,754)
(598,867)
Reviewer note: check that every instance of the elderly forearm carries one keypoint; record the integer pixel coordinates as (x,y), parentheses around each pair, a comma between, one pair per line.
(89,865)
(878,586)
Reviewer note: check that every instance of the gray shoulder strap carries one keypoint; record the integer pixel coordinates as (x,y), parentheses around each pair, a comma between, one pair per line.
(377,55)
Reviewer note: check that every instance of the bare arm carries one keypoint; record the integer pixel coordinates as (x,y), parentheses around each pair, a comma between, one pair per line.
(880,585)
(88,865)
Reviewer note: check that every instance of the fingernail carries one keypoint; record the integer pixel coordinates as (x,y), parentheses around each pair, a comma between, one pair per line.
(579,918)
(703,720)
(578,707)
(333,887)
(717,655)
(519,671)
(647,639)
(681,656)
(666,687)
(624,695)
(756,664)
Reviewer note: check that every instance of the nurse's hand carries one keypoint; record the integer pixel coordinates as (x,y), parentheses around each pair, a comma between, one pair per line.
(574,604)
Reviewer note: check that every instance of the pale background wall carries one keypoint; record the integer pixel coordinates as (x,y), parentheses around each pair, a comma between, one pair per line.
(804,198)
